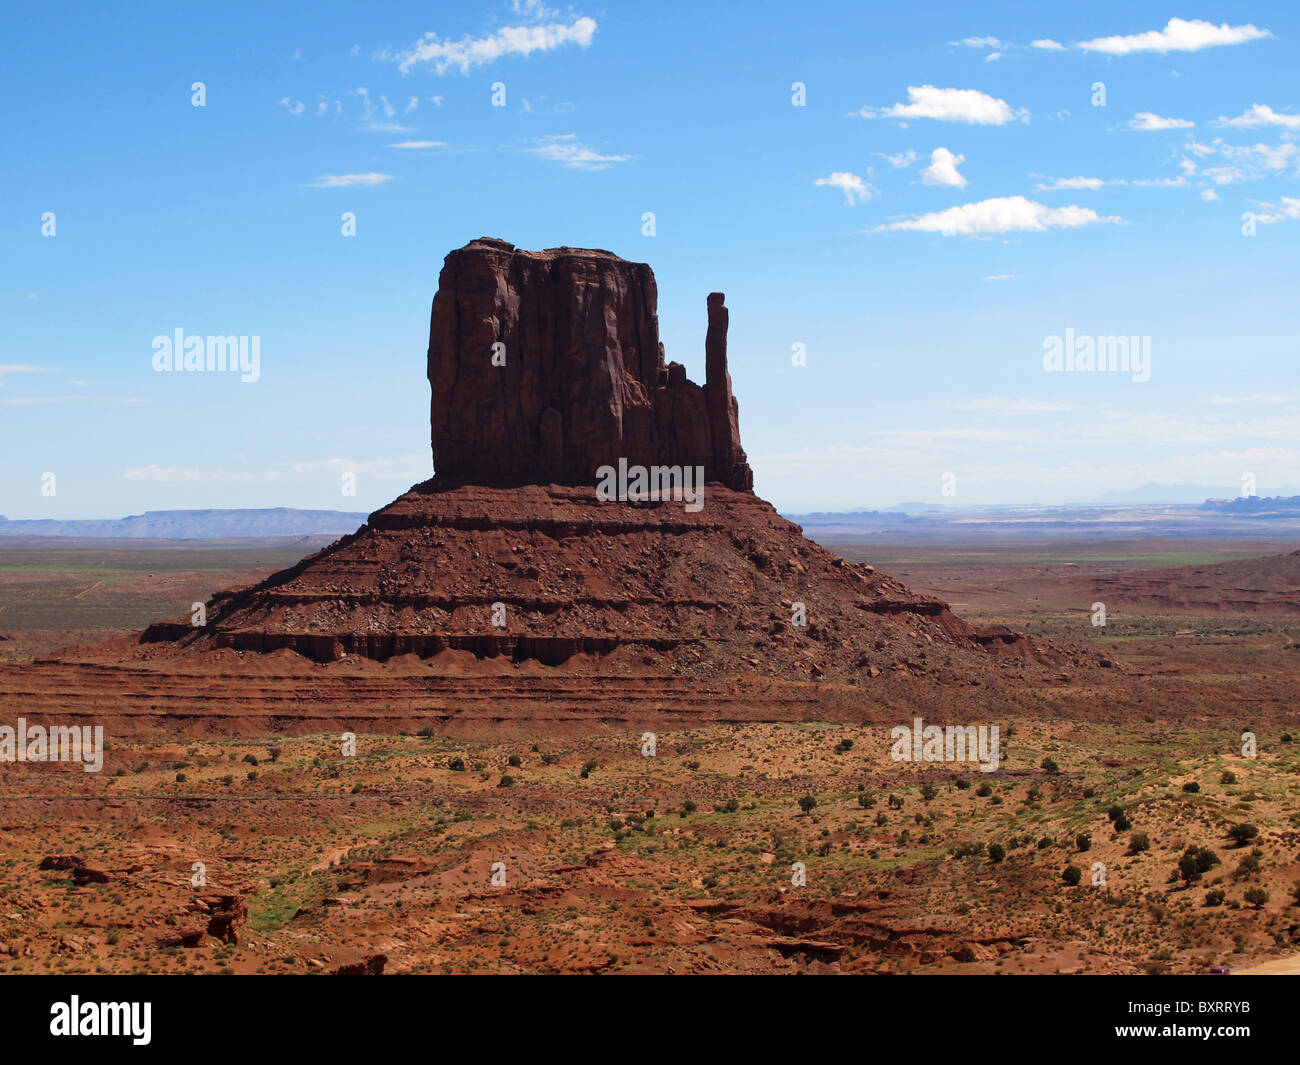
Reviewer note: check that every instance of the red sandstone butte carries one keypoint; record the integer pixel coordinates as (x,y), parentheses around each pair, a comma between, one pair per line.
(612,609)
(579,379)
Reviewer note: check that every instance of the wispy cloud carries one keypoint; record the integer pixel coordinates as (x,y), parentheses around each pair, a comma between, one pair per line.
(1287,211)
(43,401)
(408,467)
(342,181)
(419,144)
(1146,122)
(566,149)
(23,367)
(469,52)
(1261,115)
(1006,214)
(1073,184)
(947,105)
(999,405)
(855,189)
(1179,35)
(901,160)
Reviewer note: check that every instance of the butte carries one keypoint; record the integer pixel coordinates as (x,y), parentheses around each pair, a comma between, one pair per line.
(504,591)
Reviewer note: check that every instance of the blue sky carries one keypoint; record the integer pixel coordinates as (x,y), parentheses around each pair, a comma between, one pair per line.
(948,198)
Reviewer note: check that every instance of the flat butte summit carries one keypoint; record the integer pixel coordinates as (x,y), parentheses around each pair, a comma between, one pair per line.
(509,589)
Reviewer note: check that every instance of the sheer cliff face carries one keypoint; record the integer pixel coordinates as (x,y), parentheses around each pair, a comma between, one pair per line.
(547,365)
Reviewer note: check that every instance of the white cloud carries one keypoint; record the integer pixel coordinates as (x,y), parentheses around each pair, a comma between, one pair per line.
(1253,400)
(992,56)
(1254,158)
(1265,156)
(1002,277)
(1011,406)
(1048,45)
(1005,214)
(855,189)
(943,169)
(1179,35)
(470,52)
(408,467)
(1288,211)
(1072,183)
(175,473)
(419,144)
(565,148)
(295,107)
(22,367)
(1224,175)
(342,181)
(901,160)
(1146,122)
(1261,115)
(947,105)
(44,401)
(980,42)
(1209,195)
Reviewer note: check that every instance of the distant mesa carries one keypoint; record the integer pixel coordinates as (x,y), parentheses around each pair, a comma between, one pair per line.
(192,524)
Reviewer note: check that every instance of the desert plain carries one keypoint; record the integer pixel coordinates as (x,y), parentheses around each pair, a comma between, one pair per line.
(466,835)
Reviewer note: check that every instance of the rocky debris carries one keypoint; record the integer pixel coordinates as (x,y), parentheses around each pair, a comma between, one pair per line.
(90,873)
(370,965)
(220,917)
(546,365)
(60,861)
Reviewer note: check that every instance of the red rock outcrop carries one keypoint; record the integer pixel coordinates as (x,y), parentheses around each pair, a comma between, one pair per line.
(546,365)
